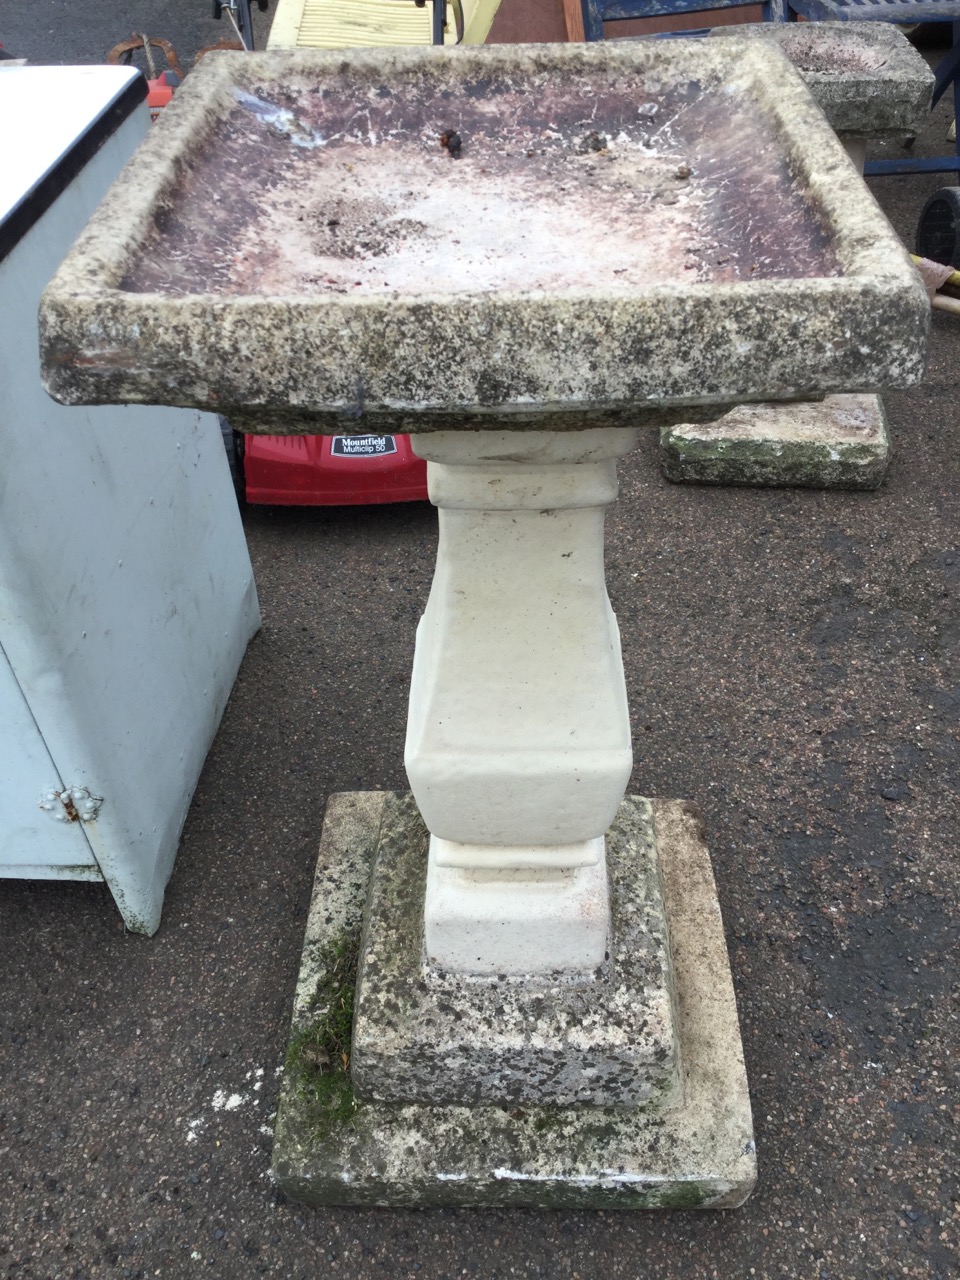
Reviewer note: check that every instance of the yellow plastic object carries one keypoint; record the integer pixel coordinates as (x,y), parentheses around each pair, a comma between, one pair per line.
(338,24)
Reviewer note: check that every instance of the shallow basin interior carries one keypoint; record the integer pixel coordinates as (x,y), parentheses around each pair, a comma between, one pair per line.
(588,182)
(829,52)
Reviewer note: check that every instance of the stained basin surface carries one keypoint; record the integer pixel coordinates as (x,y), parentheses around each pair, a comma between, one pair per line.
(560,236)
(575,185)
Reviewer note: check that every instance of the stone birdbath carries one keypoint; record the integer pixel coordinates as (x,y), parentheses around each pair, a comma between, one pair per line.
(522,256)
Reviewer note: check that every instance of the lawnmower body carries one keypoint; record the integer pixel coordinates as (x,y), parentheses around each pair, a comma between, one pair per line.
(331,470)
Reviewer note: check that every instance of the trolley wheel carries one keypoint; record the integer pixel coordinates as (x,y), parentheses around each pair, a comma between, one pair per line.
(938,231)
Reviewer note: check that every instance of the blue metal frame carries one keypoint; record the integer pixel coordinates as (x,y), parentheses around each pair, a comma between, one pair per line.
(597,12)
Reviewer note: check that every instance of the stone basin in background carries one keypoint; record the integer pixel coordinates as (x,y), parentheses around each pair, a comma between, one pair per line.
(867,77)
(634,234)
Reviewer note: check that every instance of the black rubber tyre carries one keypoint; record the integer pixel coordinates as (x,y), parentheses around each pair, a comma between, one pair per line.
(938,231)
(245,22)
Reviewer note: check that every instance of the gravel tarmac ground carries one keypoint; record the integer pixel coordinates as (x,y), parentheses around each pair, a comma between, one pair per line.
(792,666)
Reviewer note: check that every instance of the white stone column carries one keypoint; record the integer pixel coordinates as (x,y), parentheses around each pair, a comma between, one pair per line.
(518,739)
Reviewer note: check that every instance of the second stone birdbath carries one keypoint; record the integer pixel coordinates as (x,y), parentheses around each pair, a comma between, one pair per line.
(522,256)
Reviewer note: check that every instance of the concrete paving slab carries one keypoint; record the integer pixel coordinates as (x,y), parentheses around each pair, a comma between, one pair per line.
(840,442)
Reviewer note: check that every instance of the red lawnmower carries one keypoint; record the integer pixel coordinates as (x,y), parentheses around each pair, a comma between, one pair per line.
(324,470)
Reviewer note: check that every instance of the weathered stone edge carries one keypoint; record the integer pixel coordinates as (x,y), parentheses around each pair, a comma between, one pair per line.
(102,344)
(891,100)
(443,1041)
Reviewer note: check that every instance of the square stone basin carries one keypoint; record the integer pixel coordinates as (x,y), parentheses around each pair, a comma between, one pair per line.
(867,77)
(621,234)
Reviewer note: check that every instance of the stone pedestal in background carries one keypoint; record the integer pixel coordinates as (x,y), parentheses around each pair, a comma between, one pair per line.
(871,83)
(840,442)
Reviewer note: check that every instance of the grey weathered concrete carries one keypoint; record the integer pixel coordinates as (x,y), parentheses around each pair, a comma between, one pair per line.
(867,77)
(603,1039)
(331,1148)
(840,442)
(185,287)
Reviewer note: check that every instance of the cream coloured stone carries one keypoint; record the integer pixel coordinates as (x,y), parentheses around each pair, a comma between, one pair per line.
(518,732)
(451,853)
(506,921)
(518,736)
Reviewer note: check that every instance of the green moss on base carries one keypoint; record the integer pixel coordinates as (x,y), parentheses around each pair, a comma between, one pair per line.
(318,1055)
(683,1195)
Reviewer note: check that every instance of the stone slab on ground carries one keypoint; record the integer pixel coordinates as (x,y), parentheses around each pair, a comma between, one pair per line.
(606,1038)
(840,442)
(332,1149)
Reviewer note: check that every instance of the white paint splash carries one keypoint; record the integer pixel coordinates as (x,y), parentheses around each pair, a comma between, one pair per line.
(231,1100)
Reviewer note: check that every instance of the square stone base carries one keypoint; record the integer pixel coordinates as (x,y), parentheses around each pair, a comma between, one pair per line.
(840,442)
(601,1038)
(330,1148)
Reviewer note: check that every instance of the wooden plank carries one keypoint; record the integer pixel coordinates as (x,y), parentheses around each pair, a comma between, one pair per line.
(528,22)
(336,24)
(685,21)
(573,20)
(285,28)
(478,19)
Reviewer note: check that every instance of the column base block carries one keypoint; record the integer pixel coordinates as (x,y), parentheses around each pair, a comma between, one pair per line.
(333,1149)
(840,442)
(499,922)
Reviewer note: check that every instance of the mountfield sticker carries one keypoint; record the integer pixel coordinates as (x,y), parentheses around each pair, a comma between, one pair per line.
(362,446)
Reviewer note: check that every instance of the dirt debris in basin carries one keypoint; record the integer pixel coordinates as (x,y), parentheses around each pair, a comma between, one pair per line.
(832,53)
(596,187)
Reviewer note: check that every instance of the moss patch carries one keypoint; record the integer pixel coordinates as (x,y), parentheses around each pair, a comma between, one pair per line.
(681,1195)
(318,1055)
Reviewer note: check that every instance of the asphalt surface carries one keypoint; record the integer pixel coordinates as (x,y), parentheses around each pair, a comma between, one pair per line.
(792,666)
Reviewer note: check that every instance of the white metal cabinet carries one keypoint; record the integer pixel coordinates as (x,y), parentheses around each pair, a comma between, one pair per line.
(126,591)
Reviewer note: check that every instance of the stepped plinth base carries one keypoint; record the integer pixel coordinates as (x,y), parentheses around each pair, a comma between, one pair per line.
(694,1151)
